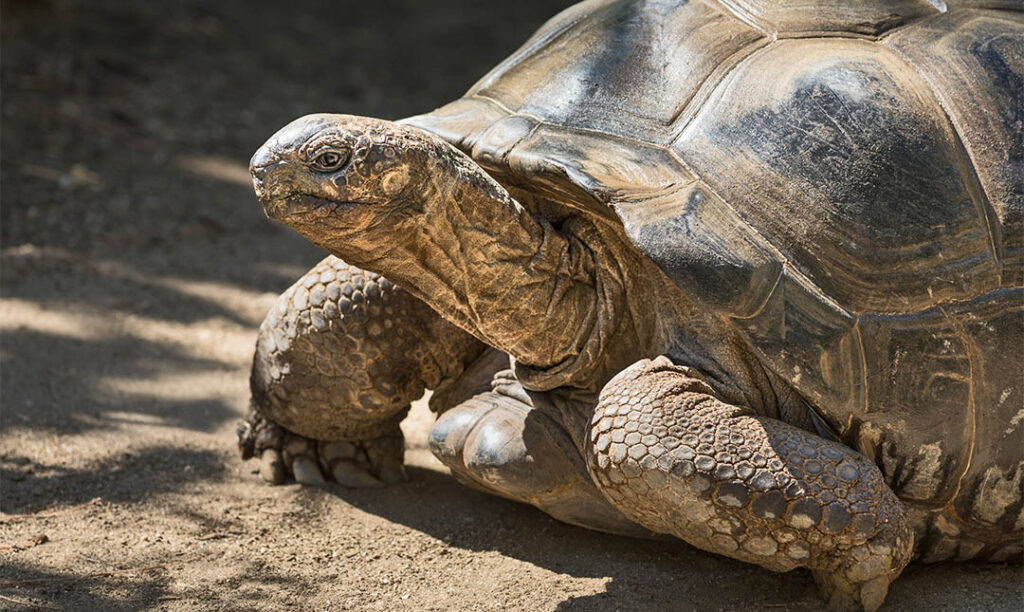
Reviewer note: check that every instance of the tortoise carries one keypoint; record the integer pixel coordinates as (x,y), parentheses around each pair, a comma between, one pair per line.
(749,274)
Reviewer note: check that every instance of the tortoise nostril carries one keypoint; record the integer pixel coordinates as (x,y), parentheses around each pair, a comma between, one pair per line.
(258,179)
(261,183)
(263,157)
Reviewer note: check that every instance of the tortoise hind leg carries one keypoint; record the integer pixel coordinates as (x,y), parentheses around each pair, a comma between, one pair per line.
(338,360)
(498,443)
(673,457)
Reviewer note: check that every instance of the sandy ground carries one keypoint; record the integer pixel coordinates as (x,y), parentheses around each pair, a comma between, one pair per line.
(136,267)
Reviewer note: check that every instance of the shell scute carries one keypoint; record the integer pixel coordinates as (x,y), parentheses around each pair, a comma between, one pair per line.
(700,242)
(623,70)
(845,162)
(586,166)
(974,62)
(810,341)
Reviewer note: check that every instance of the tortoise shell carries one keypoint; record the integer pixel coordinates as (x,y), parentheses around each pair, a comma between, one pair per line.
(844,185)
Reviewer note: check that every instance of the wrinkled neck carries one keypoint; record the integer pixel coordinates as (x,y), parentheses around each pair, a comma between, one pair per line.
(485,262)
(559,300)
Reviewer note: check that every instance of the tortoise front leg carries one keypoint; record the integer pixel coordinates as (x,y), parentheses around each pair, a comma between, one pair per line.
(673,457)
(339,359)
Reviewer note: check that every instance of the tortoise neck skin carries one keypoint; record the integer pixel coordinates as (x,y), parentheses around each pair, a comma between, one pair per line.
(565,302)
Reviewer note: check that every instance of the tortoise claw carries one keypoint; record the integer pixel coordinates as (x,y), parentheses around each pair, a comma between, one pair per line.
(348,464)
(348,474)
(272,467)
(245,436)
(359,464)
(307,472)
(393,472)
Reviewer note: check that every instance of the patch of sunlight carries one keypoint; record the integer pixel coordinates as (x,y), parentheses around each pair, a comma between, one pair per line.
(212,291)
(219,292)
(229,343)
(177,386)
(18,314)
(216,167)
(134,417)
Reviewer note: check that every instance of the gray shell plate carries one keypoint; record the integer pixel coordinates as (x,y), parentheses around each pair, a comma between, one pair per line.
(847,186)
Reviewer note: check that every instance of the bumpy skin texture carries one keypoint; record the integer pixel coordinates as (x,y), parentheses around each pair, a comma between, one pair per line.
(673,457)
(343,340)
(808,205)
(338,360)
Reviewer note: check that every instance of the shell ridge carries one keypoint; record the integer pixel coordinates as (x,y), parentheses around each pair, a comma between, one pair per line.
(768,296)
(531,47)
(603,134)
(803,19)
(862,359)
(501,106)
(733,8)
(714,92)
(706,88)
(889,33)
(972,181)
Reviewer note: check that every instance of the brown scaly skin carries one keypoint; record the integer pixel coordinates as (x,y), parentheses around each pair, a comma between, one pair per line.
(574,306)
(409,204)
(675,458)
(339,357)
(338,360)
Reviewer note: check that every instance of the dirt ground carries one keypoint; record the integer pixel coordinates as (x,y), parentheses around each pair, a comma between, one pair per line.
(136,267)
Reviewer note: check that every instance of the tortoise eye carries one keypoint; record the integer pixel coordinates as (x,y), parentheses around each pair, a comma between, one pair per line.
(331,160)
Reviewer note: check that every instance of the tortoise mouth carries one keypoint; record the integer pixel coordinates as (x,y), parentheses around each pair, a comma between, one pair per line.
(301,205)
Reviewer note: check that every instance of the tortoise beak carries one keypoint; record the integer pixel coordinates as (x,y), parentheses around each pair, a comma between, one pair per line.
(274,187)
(274,168)
(263,157)
(271,183)
(259,168)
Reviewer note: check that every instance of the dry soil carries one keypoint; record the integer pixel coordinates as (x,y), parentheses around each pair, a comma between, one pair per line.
(136,267)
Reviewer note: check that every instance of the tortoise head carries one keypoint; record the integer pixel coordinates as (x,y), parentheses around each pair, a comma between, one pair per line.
(329,175)
(406,204)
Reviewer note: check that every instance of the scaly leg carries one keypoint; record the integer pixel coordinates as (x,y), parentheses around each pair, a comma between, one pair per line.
(338,360)
(673,457)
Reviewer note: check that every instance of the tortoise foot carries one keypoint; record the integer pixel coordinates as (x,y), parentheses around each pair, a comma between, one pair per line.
(350,463)
(861,580)
(675,458)
(339,359)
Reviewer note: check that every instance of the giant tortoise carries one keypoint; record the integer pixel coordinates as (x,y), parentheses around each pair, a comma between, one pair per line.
(747,273)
